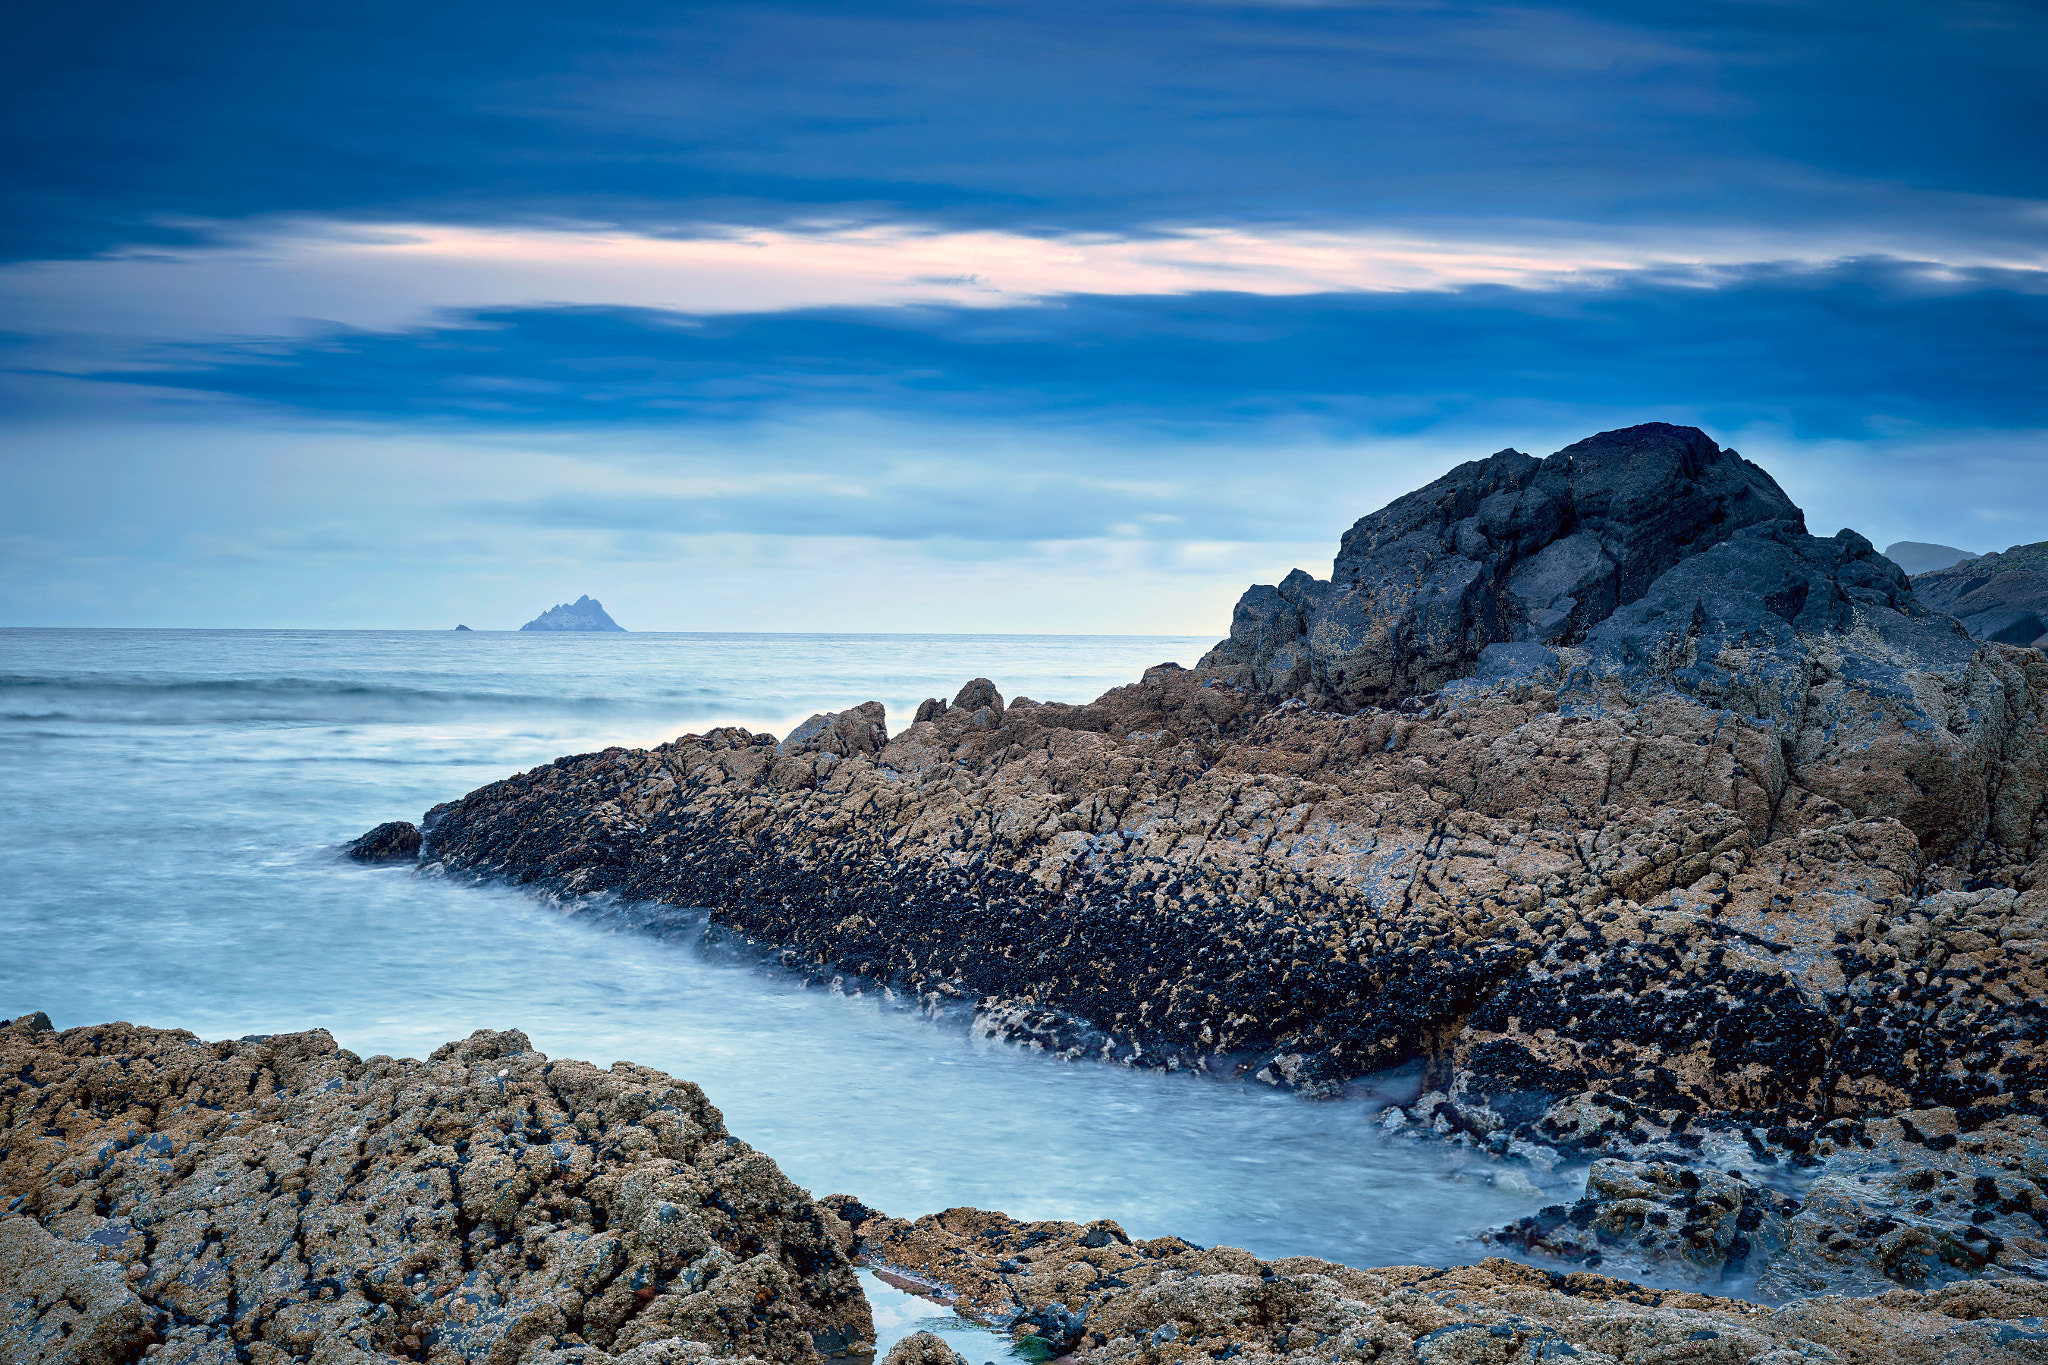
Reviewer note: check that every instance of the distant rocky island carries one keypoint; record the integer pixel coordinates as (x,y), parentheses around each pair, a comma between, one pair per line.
(585,613)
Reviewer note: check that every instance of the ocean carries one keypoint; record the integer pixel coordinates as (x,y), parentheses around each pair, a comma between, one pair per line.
(174,800)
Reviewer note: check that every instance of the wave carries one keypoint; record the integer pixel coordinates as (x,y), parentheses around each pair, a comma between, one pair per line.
(181,701)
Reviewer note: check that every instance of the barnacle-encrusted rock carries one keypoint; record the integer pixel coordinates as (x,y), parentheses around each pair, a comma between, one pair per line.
(1090,1291)
(280,1199)
(394,841)
(1670,1221)
(1746,838)
(1547,897)
(923,1348)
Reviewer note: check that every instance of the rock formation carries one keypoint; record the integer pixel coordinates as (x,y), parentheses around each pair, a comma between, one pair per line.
(280,1199)
(1919,556)
(1498,551)
(1914,1199)
(462,627)
(2002,597)
(1759,849)
(1091,1293)
(585,613)
(394,841)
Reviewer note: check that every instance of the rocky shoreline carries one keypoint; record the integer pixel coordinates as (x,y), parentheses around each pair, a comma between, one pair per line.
(278,1198)
(1660,830)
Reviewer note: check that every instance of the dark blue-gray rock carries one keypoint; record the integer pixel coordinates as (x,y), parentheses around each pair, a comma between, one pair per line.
(1919,556)
(1502,550)
(462,627)
(585,613)
(2001,596)
(1879,703)
(395,841)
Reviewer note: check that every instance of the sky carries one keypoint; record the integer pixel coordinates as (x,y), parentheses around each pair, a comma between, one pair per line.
(971,315)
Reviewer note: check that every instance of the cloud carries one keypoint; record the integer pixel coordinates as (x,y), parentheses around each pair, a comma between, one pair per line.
(295,278)
(799,314)
(1858,349)
(1052,115)
(961,500)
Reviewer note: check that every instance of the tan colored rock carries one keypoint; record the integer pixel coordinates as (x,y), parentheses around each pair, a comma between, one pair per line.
(1544,901)
(282,1198)
(923,1348)
(1110,1301)
(64,1305)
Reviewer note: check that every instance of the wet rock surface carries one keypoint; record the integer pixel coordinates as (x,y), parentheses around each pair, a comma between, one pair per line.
(1676,1222)
(1092,1293)
(280,1199)
(395,841)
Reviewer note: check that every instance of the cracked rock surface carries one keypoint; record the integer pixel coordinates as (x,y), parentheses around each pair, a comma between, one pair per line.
(281,1199)
(1093,1294)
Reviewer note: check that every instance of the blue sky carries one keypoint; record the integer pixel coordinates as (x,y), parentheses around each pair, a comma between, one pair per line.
(970,316)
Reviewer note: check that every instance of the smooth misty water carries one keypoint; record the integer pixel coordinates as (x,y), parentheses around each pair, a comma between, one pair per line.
(172,800)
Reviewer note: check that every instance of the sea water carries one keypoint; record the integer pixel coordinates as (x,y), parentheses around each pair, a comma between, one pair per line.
(173,801)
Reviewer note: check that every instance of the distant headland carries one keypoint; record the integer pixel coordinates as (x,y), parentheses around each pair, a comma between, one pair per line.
(585,613)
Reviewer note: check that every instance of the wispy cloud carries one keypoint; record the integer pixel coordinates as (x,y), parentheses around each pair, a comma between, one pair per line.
(289,279)
(1859,349)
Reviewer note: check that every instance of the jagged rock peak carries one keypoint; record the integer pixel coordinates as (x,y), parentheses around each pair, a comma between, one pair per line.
(585,613)
(1501,550)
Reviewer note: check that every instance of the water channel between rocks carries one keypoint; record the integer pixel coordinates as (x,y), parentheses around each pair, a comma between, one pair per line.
(176,797)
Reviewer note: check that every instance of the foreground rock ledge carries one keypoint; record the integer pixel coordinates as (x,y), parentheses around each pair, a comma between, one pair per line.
(1094,1293)
(280,1199)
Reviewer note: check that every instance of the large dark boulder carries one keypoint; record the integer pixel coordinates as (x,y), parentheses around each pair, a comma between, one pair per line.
(1878,703)
(1502,550)
(1737,627)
